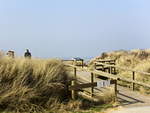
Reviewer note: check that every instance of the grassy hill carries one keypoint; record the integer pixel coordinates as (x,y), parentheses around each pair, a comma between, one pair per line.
(39,86)
(135,59)
(31,85)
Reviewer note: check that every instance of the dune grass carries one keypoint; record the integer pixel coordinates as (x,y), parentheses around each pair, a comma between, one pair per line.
(38,86)
(31,85)
(135,59)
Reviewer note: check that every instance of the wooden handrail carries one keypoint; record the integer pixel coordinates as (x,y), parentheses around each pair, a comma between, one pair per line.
(110,76)
(108,60)
(123,68)
(67,60)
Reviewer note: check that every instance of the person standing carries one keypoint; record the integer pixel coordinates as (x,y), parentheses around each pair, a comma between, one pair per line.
(27,54)
(11,54)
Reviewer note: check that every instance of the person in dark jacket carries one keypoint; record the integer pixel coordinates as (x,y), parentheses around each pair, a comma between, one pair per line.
(27,54)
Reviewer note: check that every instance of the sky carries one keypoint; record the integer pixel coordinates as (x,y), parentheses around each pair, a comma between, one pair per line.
(71,28)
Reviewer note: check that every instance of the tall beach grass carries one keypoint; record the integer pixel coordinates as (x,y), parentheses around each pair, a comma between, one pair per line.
(137,59)
(31,85)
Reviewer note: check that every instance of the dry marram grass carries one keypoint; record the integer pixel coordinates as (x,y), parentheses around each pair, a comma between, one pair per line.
(31,85)
(135,59)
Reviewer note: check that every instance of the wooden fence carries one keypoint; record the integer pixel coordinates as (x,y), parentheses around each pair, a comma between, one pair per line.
(75,62)
(74,87)
(96,73)
(98,65)
(133,76)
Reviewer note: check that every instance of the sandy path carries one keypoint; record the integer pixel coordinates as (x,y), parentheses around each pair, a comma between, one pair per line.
(132,102)
(144,109)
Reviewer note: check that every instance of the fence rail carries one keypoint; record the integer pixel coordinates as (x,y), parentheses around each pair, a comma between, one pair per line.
(107,75)
(133,79)
(123,68)
(111,76)
(75,62)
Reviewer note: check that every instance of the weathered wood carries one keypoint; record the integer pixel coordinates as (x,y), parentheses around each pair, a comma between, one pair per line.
(82,86)
(86,85)
(133,84)
(67,60)
(124,79)
(104,74)
(118,77)
(75,62)
(109,70)
(112,63)
(73,92)
(111,76)
(86,96)
(103,68)
(71,65)
(134,81)
(94,65)
(75,72)
(108,60)
(74,87)
(115,88)
(114,70)
(92,81)
(123,68)
(82,63)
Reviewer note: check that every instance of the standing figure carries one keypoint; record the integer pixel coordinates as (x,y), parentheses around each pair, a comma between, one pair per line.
(11,54)
(27,54)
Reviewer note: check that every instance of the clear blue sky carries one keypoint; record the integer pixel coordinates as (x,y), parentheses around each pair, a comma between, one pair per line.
(66,28)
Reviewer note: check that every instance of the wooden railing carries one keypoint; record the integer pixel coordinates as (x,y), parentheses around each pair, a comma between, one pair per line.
(133,78)
(109,61)
(111,76)
(98,65)
(92,84)
(75,62)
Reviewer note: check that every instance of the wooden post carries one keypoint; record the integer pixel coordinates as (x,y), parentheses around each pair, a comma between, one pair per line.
(75,73)
(115,67)
(109,70)
(133,84)
(92,81)
(95,66)
(115,89)
(73,92)
(82,63)
(103,68)
(115,70)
